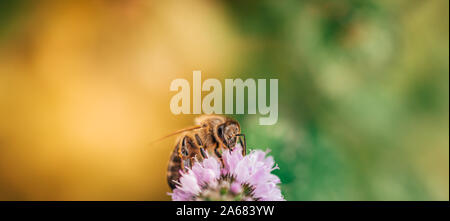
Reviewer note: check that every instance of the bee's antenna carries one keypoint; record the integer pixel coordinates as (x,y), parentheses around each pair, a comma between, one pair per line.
(175,133)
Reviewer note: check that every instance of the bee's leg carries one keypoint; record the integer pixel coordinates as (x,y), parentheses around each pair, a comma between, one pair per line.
(187,164)
(216,151)
(203,152)
(243,143)
(192,161)
(202,149)
(184,153)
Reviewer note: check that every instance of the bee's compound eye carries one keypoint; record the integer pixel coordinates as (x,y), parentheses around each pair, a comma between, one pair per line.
(220,131)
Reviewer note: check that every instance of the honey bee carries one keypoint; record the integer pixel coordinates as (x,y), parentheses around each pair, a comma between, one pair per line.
(212,134)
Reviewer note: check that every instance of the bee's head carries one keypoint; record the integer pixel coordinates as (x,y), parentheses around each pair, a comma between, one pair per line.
(227,133)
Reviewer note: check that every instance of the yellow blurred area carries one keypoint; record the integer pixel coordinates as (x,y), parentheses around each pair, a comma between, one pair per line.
(84,88)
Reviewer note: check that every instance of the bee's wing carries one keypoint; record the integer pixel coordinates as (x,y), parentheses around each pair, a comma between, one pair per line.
(175,133)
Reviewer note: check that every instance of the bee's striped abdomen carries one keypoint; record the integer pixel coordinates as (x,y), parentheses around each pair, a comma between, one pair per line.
(174,167)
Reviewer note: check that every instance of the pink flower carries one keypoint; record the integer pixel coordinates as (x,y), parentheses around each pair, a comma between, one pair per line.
(238,178)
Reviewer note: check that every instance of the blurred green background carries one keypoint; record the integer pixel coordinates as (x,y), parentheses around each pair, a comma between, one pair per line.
(363,93)
(363,96)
